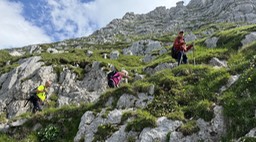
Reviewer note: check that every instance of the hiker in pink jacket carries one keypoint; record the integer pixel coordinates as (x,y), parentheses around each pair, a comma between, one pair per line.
(115,80)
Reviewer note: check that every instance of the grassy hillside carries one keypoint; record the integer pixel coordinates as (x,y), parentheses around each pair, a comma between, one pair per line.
(185,93)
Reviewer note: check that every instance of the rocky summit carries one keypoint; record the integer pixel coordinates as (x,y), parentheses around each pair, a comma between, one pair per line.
(212,98)
(163,20)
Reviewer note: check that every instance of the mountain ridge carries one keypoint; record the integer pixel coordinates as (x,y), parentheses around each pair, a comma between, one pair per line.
(162,20)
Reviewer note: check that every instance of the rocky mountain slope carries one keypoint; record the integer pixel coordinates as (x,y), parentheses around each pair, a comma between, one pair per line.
(163,21)
(210,99)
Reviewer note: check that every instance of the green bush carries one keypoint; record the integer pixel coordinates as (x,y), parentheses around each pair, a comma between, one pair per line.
(49,133)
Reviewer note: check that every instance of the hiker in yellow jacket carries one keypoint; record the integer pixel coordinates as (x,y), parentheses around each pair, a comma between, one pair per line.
(40,97)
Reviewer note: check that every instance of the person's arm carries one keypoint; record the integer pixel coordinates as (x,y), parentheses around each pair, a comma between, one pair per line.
(123,75)
(189,47)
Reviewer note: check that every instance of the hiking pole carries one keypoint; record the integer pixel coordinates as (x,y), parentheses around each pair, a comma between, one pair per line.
(26,102)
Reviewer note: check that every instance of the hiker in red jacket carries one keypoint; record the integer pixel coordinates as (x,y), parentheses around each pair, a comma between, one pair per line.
(180,48)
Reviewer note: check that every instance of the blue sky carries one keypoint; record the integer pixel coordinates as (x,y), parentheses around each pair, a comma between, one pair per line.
(26,22)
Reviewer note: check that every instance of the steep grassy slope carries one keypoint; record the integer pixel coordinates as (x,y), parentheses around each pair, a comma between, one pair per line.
(185,93)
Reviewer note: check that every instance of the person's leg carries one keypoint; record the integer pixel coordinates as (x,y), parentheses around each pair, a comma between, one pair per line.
(180,54)
(35,105)
(40,103)
(185,58)
(111,84)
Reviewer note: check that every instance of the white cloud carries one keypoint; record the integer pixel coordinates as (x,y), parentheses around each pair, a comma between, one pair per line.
(72,18)
(15,31)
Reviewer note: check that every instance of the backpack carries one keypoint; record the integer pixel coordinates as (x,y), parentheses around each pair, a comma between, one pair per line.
(33,91)
(174,53)
(32,96)
(111,74)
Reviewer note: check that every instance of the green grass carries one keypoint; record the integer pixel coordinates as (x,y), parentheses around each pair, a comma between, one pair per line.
(52,101)
(203,109)
(189,128)
(184,93)
(187,91)
(165,58)
(240,97)
(6,57)
(104,131)
(142,86)
(203,55)
(248,139)
(115,93)
(232,38)
(166,38)
(66,118)
(3,117)
(142,119)
(74,56)
(243,59)
(214,26)
(6,138)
